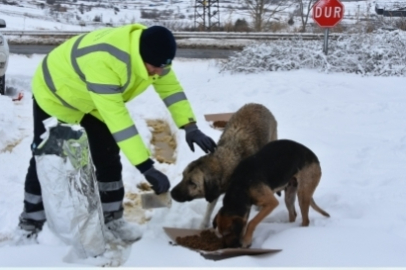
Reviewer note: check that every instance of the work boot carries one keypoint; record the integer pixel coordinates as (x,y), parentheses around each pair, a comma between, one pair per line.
(32,227)
(27,231)
(126,231)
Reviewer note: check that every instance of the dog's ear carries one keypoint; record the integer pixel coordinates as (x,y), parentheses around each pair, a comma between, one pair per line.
(215,221)
(238,225)
(211,190)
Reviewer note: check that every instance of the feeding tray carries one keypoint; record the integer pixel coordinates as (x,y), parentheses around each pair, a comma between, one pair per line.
(219,120)
(218,254)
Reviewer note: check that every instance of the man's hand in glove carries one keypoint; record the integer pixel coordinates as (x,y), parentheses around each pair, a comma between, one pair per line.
(194,135)
(159,181)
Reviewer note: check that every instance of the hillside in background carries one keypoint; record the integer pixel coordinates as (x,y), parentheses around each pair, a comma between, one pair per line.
(180,15)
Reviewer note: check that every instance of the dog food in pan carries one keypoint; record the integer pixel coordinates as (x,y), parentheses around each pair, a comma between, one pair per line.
(206,240)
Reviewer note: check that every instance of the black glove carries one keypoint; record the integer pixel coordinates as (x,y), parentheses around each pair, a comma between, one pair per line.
(194,135)
(159,181)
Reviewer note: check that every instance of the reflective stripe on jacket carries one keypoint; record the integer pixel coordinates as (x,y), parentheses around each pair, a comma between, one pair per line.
(98,73)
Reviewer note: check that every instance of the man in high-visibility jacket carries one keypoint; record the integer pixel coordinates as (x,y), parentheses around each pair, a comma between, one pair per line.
(87,80)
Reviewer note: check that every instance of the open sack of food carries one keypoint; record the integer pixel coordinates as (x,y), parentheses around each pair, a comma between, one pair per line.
(69,188)
(208,245)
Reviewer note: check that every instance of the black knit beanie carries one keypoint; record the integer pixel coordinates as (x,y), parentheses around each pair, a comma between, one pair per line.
(157,46)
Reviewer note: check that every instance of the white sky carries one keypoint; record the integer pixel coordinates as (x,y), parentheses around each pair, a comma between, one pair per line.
(353,123)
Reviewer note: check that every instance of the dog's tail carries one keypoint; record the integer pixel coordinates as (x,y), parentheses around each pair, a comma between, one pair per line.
(318,209)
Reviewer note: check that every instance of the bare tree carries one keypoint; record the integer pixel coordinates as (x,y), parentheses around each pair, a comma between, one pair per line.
(262,11)
(304,8)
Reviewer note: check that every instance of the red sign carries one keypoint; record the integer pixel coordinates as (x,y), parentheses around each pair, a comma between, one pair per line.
(327,13)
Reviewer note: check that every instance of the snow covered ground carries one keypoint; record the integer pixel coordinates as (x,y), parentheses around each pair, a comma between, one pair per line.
(28,15)
(354,124)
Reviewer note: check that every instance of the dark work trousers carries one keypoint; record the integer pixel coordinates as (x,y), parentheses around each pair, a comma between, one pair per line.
(106,158)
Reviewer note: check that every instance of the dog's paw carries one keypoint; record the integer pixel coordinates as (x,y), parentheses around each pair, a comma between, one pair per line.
(246,242)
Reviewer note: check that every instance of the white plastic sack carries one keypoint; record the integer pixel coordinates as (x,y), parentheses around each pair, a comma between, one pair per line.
(69,189)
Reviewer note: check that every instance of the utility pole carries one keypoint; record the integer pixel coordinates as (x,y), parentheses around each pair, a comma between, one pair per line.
(207,14)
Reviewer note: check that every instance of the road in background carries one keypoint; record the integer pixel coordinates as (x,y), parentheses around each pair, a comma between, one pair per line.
(186,53)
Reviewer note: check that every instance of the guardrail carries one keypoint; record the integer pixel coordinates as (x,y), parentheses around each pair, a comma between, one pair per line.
(185,40)
(181,35)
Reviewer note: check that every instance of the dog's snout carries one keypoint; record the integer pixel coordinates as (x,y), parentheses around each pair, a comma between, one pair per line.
(231,241)
(175,195)
(179,195)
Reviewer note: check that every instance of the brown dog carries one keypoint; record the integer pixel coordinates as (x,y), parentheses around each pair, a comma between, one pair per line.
(281,164)
(248,130)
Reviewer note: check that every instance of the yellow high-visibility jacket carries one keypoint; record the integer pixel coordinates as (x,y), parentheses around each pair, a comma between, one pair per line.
(98,73)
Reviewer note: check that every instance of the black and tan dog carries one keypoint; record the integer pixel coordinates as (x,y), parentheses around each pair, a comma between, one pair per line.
(281,164)
(247,131)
